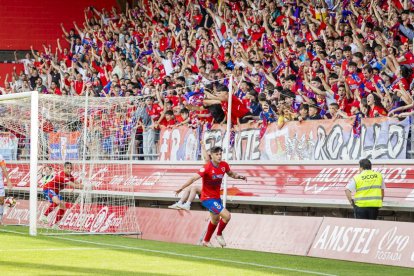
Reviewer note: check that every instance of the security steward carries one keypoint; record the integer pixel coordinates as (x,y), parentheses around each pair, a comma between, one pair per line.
(368,187)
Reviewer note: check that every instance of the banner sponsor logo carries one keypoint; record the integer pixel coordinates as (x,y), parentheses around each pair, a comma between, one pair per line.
(382,242)
(392,245)
(346,239)
(292,181)
(380,138)
(94,218)
(19,214)
(19,174)
(334,178)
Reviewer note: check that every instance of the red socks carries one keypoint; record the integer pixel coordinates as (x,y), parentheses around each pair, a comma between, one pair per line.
(212,227)
(210,231)
(60,212)
(59,215)
(50,209)
(221,227)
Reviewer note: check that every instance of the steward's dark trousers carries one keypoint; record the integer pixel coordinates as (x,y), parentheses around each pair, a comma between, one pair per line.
(366,212)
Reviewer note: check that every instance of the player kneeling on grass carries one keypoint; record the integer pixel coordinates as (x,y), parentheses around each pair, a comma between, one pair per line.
(51,192)
(212,174)
(3,173)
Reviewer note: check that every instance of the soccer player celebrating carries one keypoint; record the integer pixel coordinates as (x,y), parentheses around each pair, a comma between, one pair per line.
(212,174)
(51,192)
(3,173)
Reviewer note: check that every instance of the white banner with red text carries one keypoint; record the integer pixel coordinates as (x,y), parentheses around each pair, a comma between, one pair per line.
(378,138)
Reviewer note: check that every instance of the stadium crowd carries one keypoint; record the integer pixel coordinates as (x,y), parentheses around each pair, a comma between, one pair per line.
(290,60)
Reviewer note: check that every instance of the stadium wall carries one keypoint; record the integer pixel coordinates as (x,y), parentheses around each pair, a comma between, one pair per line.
(379,242)
(36,22)
(7,68)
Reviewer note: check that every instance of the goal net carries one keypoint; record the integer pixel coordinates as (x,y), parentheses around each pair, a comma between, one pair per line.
(97,136)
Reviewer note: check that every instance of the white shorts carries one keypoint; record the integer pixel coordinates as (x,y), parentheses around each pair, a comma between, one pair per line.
(2,191)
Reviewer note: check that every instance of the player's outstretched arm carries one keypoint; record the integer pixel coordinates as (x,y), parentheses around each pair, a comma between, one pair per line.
(236,176)
(204,152)
(188,183)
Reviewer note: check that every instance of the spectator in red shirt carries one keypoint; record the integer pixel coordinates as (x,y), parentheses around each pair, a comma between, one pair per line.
(371,81)
(184,118)
(240,113)
(153,109)
(375,108)
(54,89)
(168,120)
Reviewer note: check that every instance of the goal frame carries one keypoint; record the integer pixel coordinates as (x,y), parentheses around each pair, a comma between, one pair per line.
(34,140)
(34,162)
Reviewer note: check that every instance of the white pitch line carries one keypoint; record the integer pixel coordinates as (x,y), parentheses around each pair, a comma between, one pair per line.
(197,257)
(14,232)
(184,255)
(52,249)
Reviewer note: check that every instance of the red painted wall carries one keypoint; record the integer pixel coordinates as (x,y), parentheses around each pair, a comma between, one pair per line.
(7,68)
(36,22)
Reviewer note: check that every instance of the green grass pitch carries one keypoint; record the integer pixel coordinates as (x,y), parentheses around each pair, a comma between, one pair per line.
(21,254)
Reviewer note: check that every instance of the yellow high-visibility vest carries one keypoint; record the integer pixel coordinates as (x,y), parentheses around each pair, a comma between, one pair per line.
(368,189)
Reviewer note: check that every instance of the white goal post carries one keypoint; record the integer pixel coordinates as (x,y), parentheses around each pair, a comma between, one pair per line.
(34,132)
(85,132)
(34,139)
